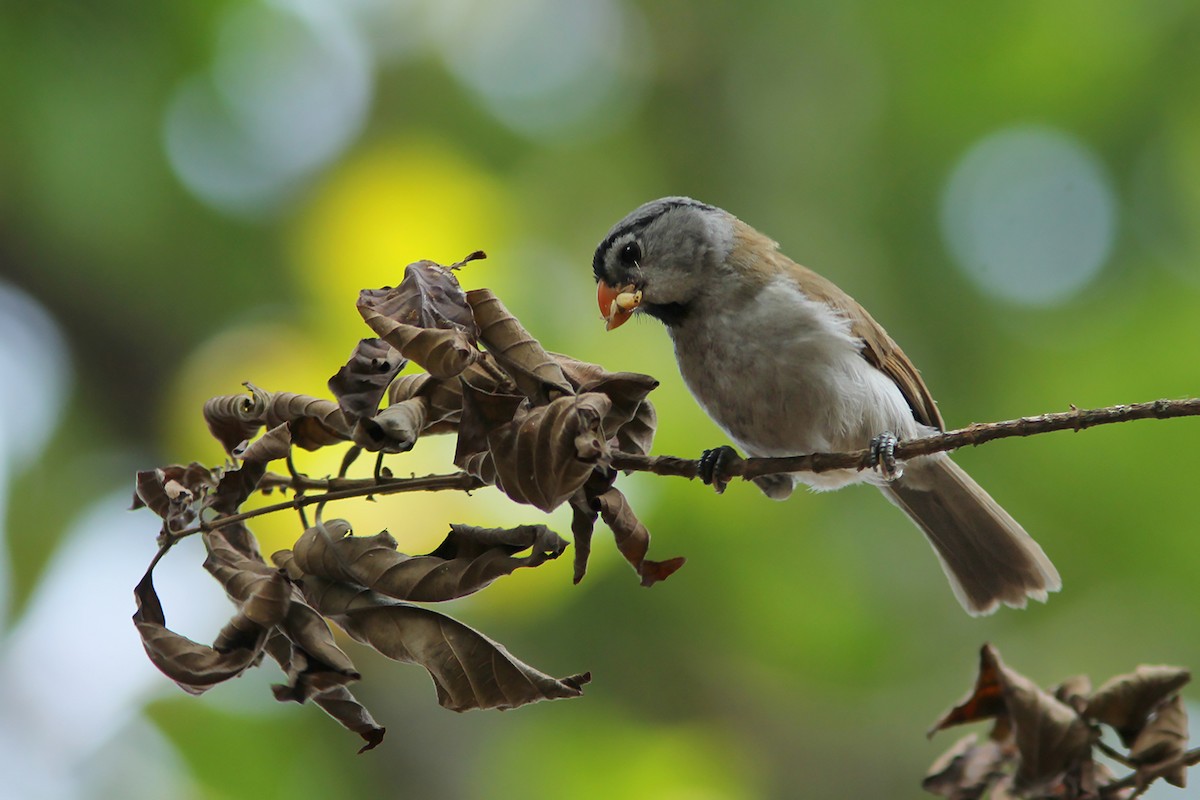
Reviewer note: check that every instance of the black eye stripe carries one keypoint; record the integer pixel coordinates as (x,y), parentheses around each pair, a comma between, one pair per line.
(636,224)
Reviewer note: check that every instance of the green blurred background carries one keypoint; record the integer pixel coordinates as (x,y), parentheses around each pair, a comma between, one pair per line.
(192,193)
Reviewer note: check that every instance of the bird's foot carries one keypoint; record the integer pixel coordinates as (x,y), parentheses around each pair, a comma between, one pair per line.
(715,464)
(882,456)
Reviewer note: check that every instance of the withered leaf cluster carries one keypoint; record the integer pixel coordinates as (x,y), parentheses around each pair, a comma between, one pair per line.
(1044,744)
(538,426)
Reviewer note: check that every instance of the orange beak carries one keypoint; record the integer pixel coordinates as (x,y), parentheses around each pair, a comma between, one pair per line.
(617,305)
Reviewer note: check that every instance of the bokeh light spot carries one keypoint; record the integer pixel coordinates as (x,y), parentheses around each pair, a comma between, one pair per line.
(286,93)
(1029,215)
(548,68)
(388,207)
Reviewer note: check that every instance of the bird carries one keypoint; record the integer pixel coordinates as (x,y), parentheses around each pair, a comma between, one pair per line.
(787,363)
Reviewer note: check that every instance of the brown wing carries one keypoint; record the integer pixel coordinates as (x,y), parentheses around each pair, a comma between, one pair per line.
(878,347)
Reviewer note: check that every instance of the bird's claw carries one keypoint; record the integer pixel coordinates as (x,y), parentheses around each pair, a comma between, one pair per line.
(715,464)
(882,456)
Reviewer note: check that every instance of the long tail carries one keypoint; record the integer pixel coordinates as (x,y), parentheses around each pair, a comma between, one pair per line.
(987,555)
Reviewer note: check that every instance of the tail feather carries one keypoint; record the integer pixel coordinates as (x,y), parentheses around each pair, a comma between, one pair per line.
(986,554)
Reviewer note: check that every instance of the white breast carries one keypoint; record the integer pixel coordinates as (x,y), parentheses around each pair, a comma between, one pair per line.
(782,375)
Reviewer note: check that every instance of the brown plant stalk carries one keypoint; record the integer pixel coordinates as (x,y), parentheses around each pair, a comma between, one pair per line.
(979,433)
(1141,782)
(972,435)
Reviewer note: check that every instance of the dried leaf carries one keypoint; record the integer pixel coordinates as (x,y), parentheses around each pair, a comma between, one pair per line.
(261,594)
(537,375)
(966,770)
(985,701)
(309,679)
(314,422)
(302,625)
(469,670)
(236,485)
(1126,701)
(443,399)
(171,491)
(395,429)
(263,602)
(633,539)
(483,413)
(542,455)
(406,387)
(340,704)
(583,524)
(1074,692)
(1050,737)
(1164,739)
(307,675)
(627,391)
(637,435)
(272,445)
(193,666)
(361,383)
(426,318)
(469,559)
(234,418)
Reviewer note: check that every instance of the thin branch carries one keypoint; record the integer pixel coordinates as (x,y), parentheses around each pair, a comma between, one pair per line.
(1077,419)
(1140,781)
(1114,754)
(341,489)
(977,434)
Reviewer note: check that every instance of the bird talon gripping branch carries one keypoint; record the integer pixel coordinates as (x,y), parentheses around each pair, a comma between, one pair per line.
(714,467)
(883,456)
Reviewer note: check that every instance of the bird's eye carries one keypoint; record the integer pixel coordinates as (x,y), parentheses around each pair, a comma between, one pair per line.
(630,254)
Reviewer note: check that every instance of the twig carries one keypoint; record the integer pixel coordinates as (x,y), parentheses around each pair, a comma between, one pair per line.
(977,434)
(343,488)
(1141,781)
(460,481)
(1114,754)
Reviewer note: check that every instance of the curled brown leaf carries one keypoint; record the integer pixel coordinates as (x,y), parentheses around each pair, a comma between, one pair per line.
(301,624)
(468,669)
(314,422)
(1051,739)
(633,539)
(362,381)
(171,492)
(341,704)
(468,559)
(984,701)
(309,679)
(272,445)
(395,429)
(427,318)
(631,418)
(1163,741)
(1125,702)
(236,486)
(967,769)
(234,418)
(196,668)
(537,375)
(543,454)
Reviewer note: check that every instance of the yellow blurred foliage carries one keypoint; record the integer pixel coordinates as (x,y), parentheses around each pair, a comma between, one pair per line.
(388,206)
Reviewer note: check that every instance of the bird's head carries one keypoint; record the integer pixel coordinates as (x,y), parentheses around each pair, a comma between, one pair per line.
(661,259)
